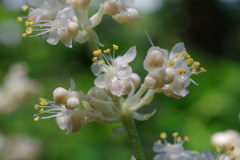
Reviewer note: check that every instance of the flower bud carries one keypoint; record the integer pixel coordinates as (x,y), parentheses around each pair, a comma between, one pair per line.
(153,82)
(127,87)
(129,18)
(72,102)
(154,59)
(73,28)
(135,79)
(77,120)
(81,4)
(98,93)
(60,95)
(110,7)
(169,77)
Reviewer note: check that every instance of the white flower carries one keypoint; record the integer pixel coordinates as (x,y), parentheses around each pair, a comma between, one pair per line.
(170,73)
(175,151)
(115,75)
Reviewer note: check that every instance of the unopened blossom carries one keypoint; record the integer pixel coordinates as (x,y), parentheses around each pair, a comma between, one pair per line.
(170,72)
(113,74)
(229,139)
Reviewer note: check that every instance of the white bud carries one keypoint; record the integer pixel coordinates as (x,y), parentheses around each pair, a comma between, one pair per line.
(153,82)
(81,4)
(73,29)
(130,17)
(154,59)
(77,120)
(72,102)
(169,77)
(135,79)
(60,95)
(111,7)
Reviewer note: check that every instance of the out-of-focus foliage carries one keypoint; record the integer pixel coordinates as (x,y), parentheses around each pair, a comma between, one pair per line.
(211,33)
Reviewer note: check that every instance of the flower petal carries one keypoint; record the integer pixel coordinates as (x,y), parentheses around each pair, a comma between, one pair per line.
(96,69)
(116,86)
(128,56)
(143,116)
(101,81)
(124,72)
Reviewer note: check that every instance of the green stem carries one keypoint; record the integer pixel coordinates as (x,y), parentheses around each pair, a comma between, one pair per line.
(135,142)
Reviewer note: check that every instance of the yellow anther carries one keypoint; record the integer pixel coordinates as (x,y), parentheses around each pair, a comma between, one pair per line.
(186,139)
(29,23)
(228,147)
(31,19)
(189,61)
(181,71)
(196,65)
(24,8)
(107,51)
(29,30)
(185,54)
(97,52)
(179,139)
(43,102)
(36,106)
(24,35)
(94,59)
(171,63)
(36,118)
(41,111)
(177,55)
(115,47)
(175,134)
(159,141)
(19,19)
(163,135)
(101,62)
(203,69)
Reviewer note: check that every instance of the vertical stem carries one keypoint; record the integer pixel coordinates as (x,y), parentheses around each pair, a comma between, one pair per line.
(135,142)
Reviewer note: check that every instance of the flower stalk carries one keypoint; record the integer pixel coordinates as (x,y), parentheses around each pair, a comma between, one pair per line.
(133,137)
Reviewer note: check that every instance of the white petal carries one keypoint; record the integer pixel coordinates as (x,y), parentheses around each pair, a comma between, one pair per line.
(177,48)
(128,56)
(124,72)
(101,81)
(72,85)
(96,69)
(143,116)
(53,38)
(116,86)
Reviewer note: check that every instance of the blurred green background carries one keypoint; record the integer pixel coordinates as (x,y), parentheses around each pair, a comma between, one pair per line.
(210,30)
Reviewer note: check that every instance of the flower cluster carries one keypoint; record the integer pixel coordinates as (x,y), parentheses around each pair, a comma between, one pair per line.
(67,20)
(175,150)
(115,79)
(170,73)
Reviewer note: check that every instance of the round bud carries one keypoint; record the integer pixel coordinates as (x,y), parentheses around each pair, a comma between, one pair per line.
(81,4)
(110,7)
(127,87)
(169,77)
(77,120)
(98,93)
(135,79)
(153,82)
(72,102)
(60,95)
(154,59)
(73,28)
(129,18)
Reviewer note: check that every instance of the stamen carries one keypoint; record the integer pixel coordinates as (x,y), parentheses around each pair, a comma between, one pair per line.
(175,134)
(24,35)
(36,106)
(185,54)
(97,52)
(179,139)
(94,59)
(163,135)
(43,102)
(24,8)
(181,71)
(171,63)
(19,19)
(29,30)
(115,47)
(36,118)
(101,62)
(107,50)
(177,55)
(203,69)
(196,65)
(189,61)
(186,139)
(41,111)
(31,19)
(159,141)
